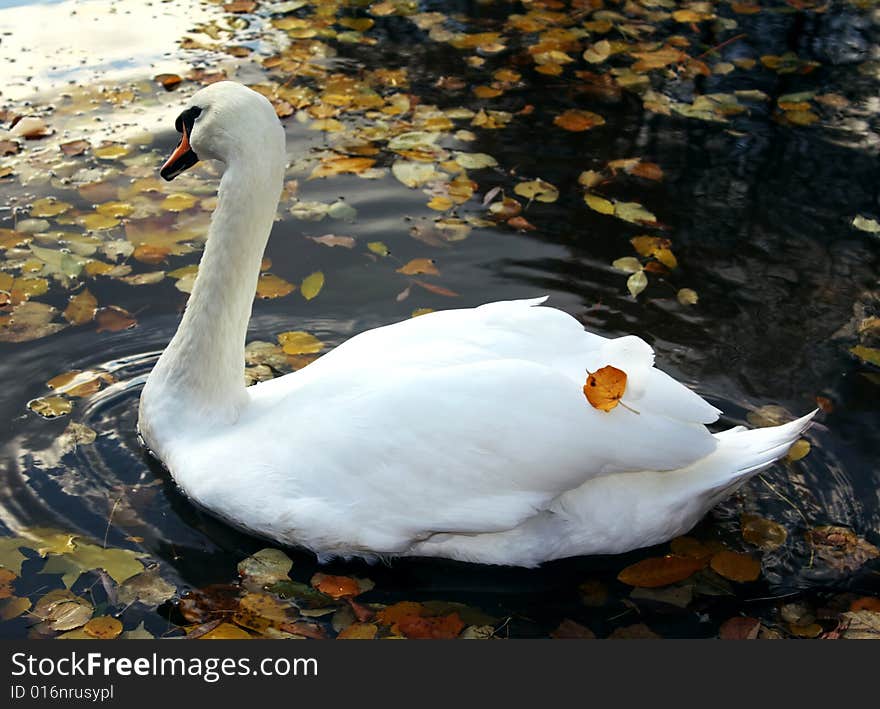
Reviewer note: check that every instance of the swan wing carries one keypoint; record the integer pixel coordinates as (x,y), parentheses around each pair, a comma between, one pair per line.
(465,421)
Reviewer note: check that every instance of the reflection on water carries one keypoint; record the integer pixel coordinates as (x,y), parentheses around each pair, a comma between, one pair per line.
(760,217)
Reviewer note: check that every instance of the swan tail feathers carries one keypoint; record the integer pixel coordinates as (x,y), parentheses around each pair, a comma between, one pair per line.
(742,453)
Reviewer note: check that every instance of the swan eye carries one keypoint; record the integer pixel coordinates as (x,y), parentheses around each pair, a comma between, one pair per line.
(186,119)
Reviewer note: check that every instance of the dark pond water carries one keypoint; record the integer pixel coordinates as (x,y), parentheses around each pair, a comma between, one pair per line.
(759,212)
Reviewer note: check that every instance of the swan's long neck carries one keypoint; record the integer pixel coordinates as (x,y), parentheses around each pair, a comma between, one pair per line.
(202,369)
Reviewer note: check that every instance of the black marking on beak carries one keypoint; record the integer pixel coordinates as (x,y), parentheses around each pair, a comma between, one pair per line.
(183,156)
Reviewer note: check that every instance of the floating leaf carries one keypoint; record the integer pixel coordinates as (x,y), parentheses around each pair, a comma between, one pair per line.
(312,285)
(48,207)
(636,283)
(333,240)
(168,81)
(871,355)
(13,607)
(103,628)
(336,586)
(633,212)
(799,449)
(438,290)
(297,342)
(81,308)
(735,566)
(599,204)
(598,52)
(419,265)
(266,566)
(50,407)
(475,161)
(578,120)
(114,319)
(226,631)
(627,264)
(31,127)
(62,610)
(30,321)
(687,296)
(338,165)
(660,571)
(179,202)
(605,387)
(147,587)
(762,533)
(866,224)
(739,628)
(378,247)
(272,286)
(359,631)
(111,151)
(537,190)
(841,548)
(413,174)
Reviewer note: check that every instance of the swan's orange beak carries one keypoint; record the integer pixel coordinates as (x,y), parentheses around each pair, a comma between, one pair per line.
(182,158)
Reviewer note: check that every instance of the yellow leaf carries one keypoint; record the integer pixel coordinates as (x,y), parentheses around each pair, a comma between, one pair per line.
(297,342)
(312,285)
(599,204)
(441,204)
(50,407)
(687,296)
(421,311)
(178,202)
(605,387)
(799,449)
(359,631)
(81,308)
(338,165)
(537,190)
(97,221)
(379,248)
(636,283)
(871,355)
(48,207)
(419,265)
(272,286)
(598,52)
(633,212)
(111,151)
(226,631)
(115,209)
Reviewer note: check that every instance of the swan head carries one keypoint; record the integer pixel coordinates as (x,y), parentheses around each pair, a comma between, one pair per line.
(224,121)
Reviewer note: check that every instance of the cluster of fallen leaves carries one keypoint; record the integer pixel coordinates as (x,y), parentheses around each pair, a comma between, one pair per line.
(81,589)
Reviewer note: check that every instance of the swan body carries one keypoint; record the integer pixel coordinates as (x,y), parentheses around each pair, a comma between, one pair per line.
(462,434)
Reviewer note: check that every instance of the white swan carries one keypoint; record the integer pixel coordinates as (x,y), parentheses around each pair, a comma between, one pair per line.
(462,434)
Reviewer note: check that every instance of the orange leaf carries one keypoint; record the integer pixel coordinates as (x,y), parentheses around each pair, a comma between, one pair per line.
(419,265)
(81,308)
(439,290)
(605,387)
(336,586)
(866,603)
(439,627)
(660,571)
(521,223)
(392,614)
(648,170)
(147,253)
(735,566)
(577,120)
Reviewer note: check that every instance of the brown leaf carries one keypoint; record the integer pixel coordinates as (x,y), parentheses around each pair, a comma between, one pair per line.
(103,628)
(605,387)
(521,223)
(81,308)
(569,630)
(736,566)
(358,631)
(114,319)
(841,548)
(660,571)
(75,147)
(239,6)
(762,533)
(9,147)
(739,628)
(392,614)
(333,240)
(638,631)
(577,120)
